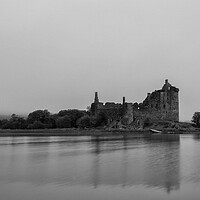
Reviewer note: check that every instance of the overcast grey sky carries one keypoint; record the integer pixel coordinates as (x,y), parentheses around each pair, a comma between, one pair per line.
(54,54)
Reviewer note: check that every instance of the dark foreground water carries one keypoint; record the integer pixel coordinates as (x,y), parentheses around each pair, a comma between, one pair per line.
(65,168)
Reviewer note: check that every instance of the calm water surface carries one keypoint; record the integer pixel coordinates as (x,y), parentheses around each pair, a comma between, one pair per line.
(78,168)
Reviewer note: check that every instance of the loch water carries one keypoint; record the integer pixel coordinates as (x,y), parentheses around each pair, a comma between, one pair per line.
(82,168)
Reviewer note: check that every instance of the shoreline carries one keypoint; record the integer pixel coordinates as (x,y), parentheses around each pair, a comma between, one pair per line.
(67,132)
(83,132)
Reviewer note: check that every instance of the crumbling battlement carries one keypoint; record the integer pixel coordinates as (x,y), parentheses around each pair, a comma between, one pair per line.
(160,105)
(114,111)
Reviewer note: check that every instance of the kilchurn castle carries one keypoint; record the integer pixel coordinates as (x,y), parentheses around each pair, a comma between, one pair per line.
(160,105)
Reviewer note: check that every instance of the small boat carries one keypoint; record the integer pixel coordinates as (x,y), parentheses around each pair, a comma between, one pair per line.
(154,131)
(159,135)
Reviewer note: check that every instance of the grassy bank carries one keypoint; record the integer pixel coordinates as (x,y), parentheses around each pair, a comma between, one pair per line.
(68,132)
(87,132)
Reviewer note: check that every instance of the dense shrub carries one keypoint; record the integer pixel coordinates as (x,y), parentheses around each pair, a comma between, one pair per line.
(42,116)
(36,125)
(73,114)
(84,122)
(196,118)
(15,122)
(4,123)
(101,119)
(40,119)
(63,122)
(147,123)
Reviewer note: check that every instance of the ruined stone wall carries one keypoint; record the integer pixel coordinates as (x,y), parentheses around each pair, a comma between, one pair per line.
(159,105)
(113,111)
(127,114)
(169,105)
(95,107)
(174,106)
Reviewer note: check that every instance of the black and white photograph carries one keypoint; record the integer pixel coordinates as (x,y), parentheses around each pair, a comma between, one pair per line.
(99,100)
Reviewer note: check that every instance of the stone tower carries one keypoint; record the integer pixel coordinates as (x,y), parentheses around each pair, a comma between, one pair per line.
(161,104)
(96,105)
(96,99)
(169,102)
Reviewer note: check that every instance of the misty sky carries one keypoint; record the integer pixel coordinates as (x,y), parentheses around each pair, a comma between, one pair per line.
(54,54)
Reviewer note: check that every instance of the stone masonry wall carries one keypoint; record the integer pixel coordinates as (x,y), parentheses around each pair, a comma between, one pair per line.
(159,105)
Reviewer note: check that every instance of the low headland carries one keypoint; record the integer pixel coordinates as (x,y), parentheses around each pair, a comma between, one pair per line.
(168,127)
(159,111)
(81,123)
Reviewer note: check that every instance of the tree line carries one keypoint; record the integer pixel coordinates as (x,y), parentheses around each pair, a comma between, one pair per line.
(72,118)
(43,119)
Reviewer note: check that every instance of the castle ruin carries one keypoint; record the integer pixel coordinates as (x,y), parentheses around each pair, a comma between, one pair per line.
(160,105)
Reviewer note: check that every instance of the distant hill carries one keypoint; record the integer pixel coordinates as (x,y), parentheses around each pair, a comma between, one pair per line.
(4,117)
(8,116)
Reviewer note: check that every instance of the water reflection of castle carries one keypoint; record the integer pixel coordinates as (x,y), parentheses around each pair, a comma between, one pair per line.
(121,163)
(155,166)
